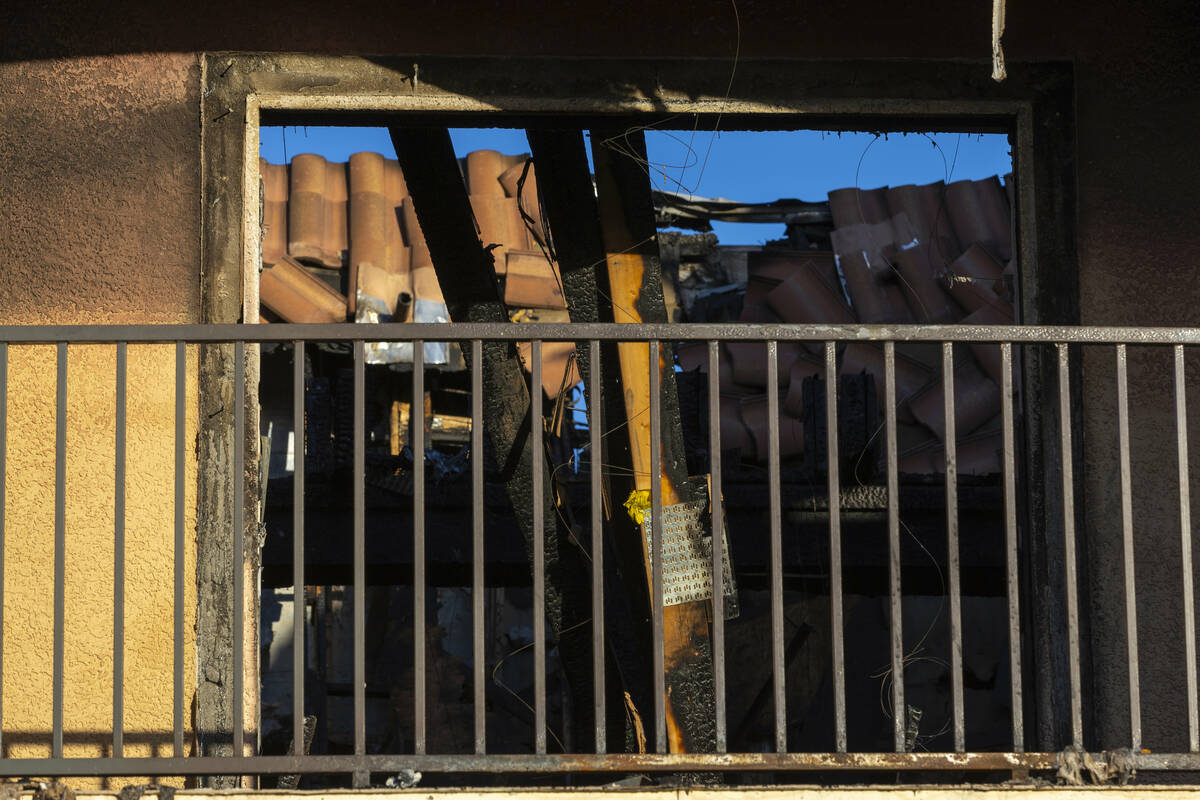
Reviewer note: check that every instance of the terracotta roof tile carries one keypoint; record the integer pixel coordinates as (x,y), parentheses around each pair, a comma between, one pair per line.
(734,434)
(980,214)
(976,400)
(317,225)
(923,207)
(754,306)
(856,206)
(928,301)
(749,362)
(275,210)
(754,412)
(911,376)
(975,279)
(557,357)
(483,172)
(976,455)
(807,297)
(988,355)
(532,233)
(290,291)
(530,281)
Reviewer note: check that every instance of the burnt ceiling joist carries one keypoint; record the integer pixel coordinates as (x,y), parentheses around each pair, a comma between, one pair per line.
(466,273)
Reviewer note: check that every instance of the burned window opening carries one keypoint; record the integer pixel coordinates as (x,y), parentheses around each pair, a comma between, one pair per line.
(819,272)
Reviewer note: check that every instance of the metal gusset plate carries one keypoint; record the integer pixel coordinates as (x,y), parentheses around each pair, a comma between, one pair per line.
(687,556)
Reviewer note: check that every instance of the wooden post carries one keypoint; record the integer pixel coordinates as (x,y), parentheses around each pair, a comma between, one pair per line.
(634,274)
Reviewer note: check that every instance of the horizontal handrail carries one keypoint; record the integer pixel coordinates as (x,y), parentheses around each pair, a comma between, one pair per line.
(605,332)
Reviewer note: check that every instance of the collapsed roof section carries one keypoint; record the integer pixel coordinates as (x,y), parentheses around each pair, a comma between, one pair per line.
(341,240)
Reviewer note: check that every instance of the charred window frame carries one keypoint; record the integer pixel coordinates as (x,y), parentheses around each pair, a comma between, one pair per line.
(1034,106)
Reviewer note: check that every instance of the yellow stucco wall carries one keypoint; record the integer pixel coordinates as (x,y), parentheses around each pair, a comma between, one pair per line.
(149,554)
(100,225)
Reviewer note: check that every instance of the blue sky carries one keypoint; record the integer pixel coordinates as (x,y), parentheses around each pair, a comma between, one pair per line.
(738,165)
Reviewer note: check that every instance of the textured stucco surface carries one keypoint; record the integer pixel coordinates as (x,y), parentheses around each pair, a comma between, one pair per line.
(99,224)
(100,220)
(89,516)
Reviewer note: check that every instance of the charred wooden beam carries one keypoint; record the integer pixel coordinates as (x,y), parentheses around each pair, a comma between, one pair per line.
(635,278)
(568,200)
(468,280)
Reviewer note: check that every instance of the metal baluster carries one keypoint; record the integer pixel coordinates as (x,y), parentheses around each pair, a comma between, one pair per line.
(1012,573)
(239,551)
(778,675)
(595,431)
(951,445)
(119,556)
(1185,540)
(477,552)
(718,541)
(539,550)
(895,601)
(299,440)
(656,571)
(1068,488)
(836,613)
(1131,636)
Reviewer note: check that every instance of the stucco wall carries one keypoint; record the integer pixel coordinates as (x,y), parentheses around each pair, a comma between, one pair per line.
(100,160)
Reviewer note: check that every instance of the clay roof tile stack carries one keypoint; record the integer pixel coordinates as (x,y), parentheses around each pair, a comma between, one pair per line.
(353,224)
(927,254)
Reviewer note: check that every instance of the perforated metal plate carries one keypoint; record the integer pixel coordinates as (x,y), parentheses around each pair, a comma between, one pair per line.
(687,556)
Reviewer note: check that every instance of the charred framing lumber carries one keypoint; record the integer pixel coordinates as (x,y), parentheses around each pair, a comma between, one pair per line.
(687,720)
(468,280)
(568,200)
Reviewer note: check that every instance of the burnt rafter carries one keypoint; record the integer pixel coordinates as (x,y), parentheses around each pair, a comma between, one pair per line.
(684,700)
(568,200)
(466,273)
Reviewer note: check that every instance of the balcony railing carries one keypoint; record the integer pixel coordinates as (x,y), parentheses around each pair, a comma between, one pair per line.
(1062,342)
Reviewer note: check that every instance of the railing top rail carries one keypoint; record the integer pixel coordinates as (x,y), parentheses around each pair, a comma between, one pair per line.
(574,331)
